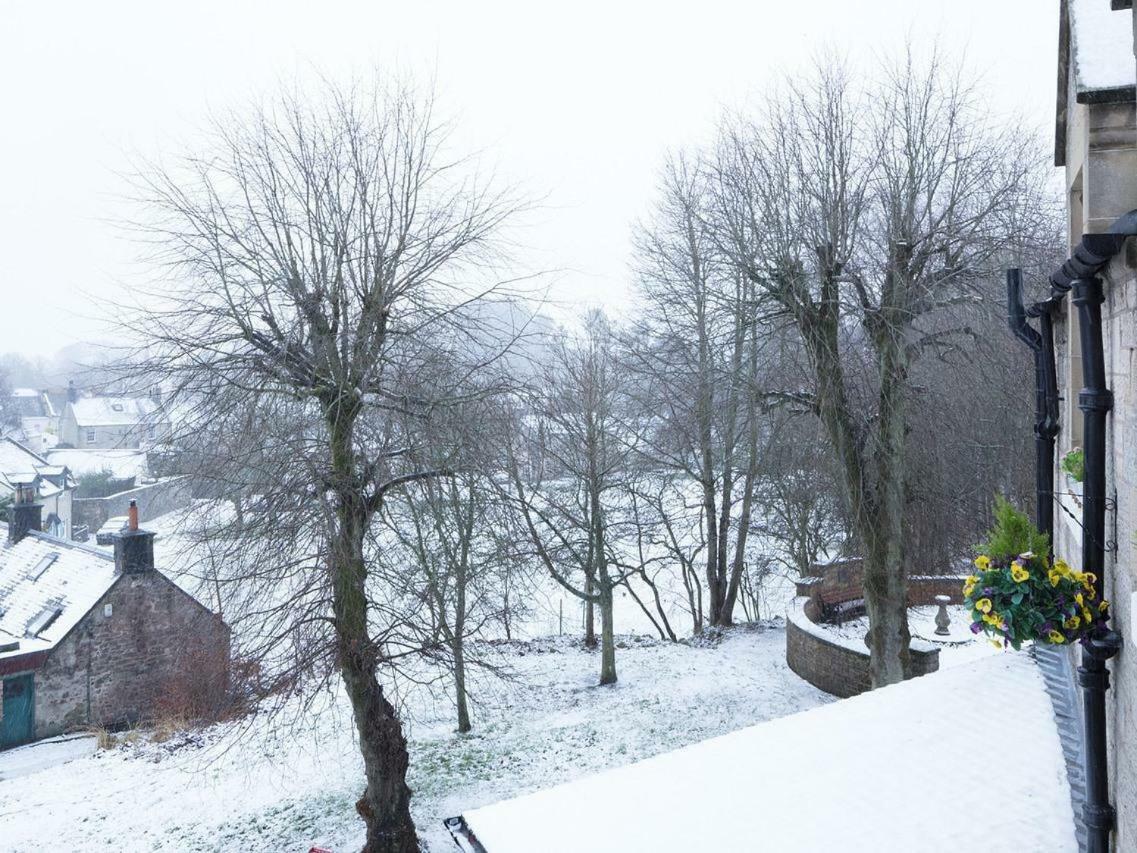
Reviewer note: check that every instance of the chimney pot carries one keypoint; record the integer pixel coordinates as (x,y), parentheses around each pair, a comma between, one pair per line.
(132,516)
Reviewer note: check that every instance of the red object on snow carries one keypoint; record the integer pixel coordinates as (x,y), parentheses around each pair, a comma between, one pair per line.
(318,850)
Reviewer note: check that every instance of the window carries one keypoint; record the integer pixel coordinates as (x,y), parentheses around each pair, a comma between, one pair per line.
(42,566)
(117,407)
(91,436)
(44,620)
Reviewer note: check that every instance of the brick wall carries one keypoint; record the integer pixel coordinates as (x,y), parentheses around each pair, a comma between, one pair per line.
(156,651)
(839,666)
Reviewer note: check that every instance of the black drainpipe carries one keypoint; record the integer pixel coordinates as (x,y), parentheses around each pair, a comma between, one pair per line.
(1080,273)
(1095,400)
(1045,399)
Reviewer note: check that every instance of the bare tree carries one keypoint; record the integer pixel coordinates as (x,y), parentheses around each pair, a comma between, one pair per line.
(695,354)
(574,516)
(858,216)
(319,252)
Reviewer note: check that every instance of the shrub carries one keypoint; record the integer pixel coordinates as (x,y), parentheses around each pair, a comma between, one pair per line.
(1012,534)
(1074,464)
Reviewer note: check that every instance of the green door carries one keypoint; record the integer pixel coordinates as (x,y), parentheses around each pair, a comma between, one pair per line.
(18,723)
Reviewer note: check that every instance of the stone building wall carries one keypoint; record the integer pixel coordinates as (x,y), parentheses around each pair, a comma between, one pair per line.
(146,649)
(153,499)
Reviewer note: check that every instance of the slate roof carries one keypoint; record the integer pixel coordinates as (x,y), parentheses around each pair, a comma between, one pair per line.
(20,465)
(114,411)
(46,586)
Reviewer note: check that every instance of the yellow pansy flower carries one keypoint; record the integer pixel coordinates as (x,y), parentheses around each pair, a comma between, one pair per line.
(1062,567)
(1018,573)
(1078,598)
(1073,622)
(1087,615)
(1056,637)
(983,605)
(983,562)
(1103,606)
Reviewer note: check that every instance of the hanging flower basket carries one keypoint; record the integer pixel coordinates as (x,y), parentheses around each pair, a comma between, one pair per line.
(1028,599)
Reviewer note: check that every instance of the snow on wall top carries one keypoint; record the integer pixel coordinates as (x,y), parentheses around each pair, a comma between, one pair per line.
(122,464)
(113,411)
(46,586)
(901,768)
(1101,46)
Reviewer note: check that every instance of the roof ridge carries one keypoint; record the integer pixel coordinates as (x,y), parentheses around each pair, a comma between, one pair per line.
(65,543)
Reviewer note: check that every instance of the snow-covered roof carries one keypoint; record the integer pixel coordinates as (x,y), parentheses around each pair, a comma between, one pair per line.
(123,464)
(114,411)
(20,465)
(892,761)
(46,586)
(1101,47)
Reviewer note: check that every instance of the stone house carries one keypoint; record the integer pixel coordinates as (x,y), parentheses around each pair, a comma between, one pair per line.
(39,421)
(114,422)
(87,638)
(1096,145)
(54,484)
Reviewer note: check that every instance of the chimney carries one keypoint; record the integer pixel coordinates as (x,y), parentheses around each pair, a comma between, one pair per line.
(26,514)
(133,547)
(72,391)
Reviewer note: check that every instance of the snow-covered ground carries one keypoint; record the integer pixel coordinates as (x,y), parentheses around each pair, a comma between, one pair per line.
(959,647)
(272,787)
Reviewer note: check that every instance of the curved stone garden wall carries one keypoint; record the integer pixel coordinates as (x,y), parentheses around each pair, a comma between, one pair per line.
(840,665)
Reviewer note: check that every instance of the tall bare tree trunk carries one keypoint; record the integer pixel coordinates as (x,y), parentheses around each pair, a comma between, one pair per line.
(607,636)
(885,578)
(385,803)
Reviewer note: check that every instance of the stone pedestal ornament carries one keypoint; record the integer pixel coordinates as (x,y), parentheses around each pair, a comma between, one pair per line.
(943,621)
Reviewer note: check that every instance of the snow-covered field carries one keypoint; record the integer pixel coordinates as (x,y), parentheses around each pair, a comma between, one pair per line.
(277,787)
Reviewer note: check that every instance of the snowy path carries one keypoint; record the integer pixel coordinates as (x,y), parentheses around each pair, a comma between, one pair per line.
(273,790)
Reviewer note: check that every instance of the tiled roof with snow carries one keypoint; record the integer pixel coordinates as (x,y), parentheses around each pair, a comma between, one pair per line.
(114,411)
(965,758)
(20,465)
(17,459)
(1101,47)
(46,586)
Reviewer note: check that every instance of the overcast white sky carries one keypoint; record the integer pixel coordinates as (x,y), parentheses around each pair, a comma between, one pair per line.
(578,103)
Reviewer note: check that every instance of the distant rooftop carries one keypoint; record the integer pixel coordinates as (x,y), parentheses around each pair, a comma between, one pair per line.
(113,411)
